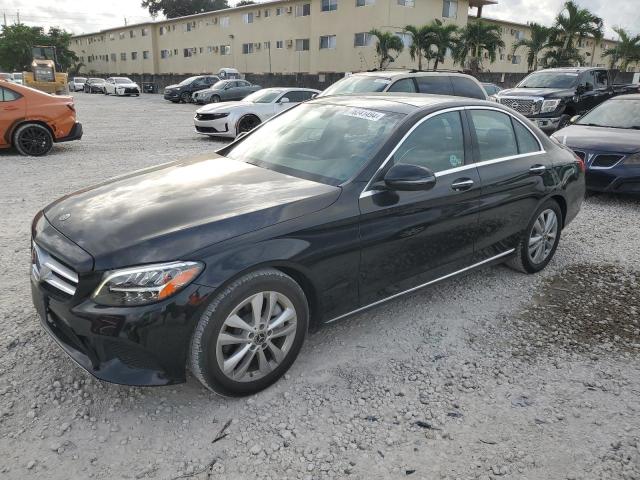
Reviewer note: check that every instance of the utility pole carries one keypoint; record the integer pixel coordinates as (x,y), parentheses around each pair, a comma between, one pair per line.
(18,16)
(5,18)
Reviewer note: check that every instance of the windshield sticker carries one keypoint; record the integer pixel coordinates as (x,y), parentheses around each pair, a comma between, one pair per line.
(365,114)
(382,80)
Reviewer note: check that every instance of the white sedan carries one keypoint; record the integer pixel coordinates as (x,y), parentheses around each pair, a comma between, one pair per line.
(77,84)
(121,86)
(229,119)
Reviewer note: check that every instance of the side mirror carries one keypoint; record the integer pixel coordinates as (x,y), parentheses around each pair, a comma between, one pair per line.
(574,119)
(284,100)
(588,87)
(314,96)
(580,89)
(405,177)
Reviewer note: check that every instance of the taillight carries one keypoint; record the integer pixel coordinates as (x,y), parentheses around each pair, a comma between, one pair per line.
(580,163)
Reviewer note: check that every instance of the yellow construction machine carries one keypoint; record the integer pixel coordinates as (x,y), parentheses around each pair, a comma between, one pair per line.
(44,75)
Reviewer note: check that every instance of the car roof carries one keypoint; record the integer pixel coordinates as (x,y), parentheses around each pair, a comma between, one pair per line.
(569,69)
(408,73)
(405,103)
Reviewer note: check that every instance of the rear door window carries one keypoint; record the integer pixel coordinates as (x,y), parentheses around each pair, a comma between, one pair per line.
(7,95)
(435,84)
(495,135)
(527,143)
(405,85)
(465,87)
(296,96)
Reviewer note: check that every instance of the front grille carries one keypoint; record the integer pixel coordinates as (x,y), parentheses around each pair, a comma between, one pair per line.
(606,160)
(206,129)
(131,90)
(524,106)
(46,269)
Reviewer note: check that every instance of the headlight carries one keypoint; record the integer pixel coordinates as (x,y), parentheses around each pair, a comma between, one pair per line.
(549,106)
(216,116)
(633,160)
(145,284)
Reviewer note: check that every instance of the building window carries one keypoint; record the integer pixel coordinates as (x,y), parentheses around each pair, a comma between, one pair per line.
(224,22)
(267,45)
(515,59)
(267,13)
(188,52)
(279,44)
(189,26)
(406,38)
(132,34)
(329,5)
(145,55)
(175,51)
(247,48)
(362,39)
(121,35)
(450,8)
(327,41)
(111,37)
(225,49)
(123,57)
(406,3)
(364,3)
(519,34)
(145,32)
(134,55)
(247,17)
(303,10)
(279,11)
(113,57)
(302,44)
(161,30)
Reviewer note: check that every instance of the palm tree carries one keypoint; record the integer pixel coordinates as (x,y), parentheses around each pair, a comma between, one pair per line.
(626,51)
(538,42)
(419,42)
(574,21)
(387,42)
(443,38)
(475,38)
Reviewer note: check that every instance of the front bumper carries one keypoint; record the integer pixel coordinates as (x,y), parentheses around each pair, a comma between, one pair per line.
(218,127)
(127,91)
(620,179)
(547,124)
(75,134)
(172,95)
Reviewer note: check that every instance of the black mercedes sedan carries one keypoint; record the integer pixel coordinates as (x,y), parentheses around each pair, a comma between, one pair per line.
(608,139)
(335,206)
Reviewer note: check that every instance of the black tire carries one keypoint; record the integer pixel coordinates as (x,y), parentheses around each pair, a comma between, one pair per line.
(204,351)
(185,97)
(215,99)
(33,140)
(247,123)
(522,260)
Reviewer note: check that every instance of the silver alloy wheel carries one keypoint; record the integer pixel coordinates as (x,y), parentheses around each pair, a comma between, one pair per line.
(256,337)
(543,236)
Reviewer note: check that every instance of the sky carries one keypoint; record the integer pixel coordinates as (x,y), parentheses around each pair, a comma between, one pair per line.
(83,16)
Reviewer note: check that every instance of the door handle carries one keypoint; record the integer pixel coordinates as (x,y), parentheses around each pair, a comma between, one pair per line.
(537,169)
(462,184)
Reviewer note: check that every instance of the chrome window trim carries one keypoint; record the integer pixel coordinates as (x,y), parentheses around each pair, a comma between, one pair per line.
(431,282)
(367,193)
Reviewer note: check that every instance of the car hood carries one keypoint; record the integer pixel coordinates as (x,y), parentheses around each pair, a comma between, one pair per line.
(171,87)
(167,212)
(537,92)
(126,85)
(600,139)
(218,108)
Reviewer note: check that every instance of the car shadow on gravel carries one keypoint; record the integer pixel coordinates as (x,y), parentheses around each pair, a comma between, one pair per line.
(586,309)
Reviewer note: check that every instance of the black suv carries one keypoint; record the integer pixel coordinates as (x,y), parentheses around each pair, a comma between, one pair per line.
(409,81)
(183,91)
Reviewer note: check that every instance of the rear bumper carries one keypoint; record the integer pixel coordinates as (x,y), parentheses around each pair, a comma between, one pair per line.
(75,134)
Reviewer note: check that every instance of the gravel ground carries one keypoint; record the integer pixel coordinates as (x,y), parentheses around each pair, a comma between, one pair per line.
(491,375)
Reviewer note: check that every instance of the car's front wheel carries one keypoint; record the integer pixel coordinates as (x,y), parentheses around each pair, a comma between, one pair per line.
(539,242)
(247,123)
(250,333)
(215,99)
(185,97)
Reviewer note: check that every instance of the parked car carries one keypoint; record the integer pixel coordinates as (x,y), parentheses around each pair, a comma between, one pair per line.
(232,118)
(16,77)
(5,76)
(121,86)
(440,83)
(32,121)
(77,84)
(94,85)
(183,91)
(332,207)
(492,90)
(551,97)
(608,140)
(225,90)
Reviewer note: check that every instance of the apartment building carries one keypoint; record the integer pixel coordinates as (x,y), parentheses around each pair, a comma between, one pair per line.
(281,36)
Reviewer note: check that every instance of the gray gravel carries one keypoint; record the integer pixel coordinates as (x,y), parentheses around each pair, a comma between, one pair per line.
(493,375)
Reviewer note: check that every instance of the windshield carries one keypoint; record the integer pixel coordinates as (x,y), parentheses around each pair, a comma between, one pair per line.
(17,76)
(187,81)
(80,79)
(96,80)
(263,96)
(615,114)
(123,80)
(549,80)
(357,84)
(323,143)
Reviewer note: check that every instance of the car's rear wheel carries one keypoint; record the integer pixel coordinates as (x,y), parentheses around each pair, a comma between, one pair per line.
(248,123)
(185,97)
(250,333)
(215,99)
(540,240)
(33,139)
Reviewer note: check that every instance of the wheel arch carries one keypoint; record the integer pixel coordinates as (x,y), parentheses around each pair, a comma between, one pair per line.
(11,131)
(245,115)
(562,202)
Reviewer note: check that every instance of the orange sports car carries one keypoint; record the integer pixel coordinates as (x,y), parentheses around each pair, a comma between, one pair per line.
(32,121)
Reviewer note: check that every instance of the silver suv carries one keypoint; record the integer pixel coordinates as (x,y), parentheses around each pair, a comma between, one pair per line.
(436,83)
